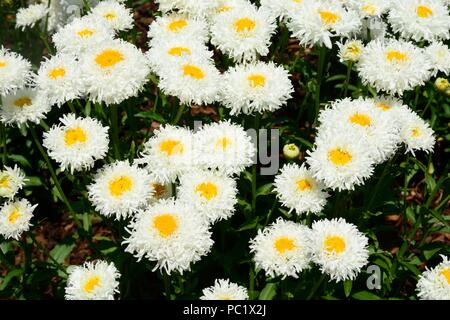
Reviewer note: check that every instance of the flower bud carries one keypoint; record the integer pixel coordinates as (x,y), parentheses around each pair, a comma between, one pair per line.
(291,151)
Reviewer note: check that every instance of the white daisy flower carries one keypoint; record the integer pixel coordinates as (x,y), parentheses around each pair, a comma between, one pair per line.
(350,50)
(223,289)
(193,80)
(11,181)
(282,8)
(76,143)
(171,234)
(439,55)
(256,87)
(114,14)
(15,218)
(174,25)
(434,284)
(169,153)
(211,194)
(359,116)
(81,34)
(224,146)
(174,50)
(114,71)
(60,79)
(415,132)
(298,190)
(29,16)
(243,34)
(420,19)
(393,66)
(319,21)
(388,104)
(282,249)
(228,5)
(339,160)
(15,71)
(25,105)
(339,248)
(92,281)
(120,189)
(196,8)
(370,8)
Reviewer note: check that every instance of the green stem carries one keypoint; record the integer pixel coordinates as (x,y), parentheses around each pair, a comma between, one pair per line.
(166,279)
(53,174)
(4,140)
(322,54)
(251,282)
(179,114)
(428,104)
(316,286)
(5,260)
(347,79)
(114,120)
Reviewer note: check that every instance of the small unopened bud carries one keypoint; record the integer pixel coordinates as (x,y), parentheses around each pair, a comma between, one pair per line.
(442,84)
(447,92)
(291,151)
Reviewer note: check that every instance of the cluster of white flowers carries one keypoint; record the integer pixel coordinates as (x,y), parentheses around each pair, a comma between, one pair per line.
(15,214)
(356,135)
(223,289)
(286,248)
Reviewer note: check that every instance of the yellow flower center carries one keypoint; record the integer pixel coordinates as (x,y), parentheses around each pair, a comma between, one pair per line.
(23,102)
(192,71)
(334,244)
(297,1)
(339,157)
(2,64)
(446,273)
(329,17)
(354,49)
(360,119)
(416,132)
(74,135)
(225,297)
(91,283)
(171,147)
(166,224)
(159,190)
(207,190)
(110,16)
(85,33)
(177,25)
(284,244)
(397,56)
(303,184)
(369,9)
(424,12)
(383,106)
(57,73)
(109,58)
(256,80)
(179,51)
(120,185)
(244,25)
(13,216)
(4,182)
(223,143)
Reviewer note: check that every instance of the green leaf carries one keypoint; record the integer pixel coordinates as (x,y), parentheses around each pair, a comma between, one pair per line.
(61,251)
(365,295)
(348,287)
(12,274)
(269,292)
(264,190)
(150,115)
